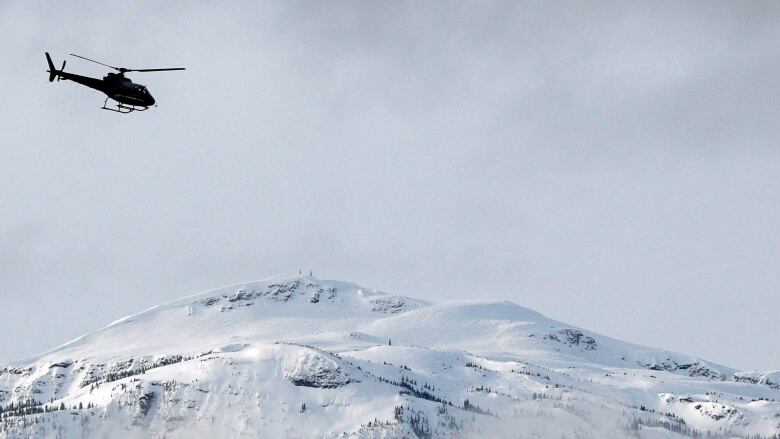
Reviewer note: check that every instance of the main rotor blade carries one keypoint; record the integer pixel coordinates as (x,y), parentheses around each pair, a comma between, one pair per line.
(154,70)
(96,62)
(123,70)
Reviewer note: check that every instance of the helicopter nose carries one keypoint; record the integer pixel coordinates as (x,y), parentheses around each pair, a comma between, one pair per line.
(150,100)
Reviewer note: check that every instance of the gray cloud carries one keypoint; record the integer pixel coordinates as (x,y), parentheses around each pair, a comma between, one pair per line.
(612,165)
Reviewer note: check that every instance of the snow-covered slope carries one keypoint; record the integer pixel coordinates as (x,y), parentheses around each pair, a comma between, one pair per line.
(302,357)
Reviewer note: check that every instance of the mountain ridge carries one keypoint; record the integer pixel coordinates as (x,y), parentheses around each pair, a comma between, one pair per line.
(441,363)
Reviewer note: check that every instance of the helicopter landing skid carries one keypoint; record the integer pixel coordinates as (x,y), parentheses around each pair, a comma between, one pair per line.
(122,108)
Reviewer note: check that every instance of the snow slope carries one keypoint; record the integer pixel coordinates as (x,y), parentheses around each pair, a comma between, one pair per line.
(302,357)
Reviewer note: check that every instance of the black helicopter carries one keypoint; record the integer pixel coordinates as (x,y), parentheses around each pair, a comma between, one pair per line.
(128,95)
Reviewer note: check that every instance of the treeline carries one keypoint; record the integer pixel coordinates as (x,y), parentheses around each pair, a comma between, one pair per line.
(679,426)
(409,388)
(33,407)
(115,376)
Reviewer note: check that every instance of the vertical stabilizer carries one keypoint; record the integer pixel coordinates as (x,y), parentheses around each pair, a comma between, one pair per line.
(52,71)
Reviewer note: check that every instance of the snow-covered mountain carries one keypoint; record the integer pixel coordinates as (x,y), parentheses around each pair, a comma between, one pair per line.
(302,357)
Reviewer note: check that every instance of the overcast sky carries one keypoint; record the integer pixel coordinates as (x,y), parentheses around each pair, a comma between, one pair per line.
(613,165)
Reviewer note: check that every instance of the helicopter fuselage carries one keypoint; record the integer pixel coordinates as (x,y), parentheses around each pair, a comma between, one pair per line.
(114,85)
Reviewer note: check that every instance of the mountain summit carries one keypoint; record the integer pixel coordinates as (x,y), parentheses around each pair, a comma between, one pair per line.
(303,357)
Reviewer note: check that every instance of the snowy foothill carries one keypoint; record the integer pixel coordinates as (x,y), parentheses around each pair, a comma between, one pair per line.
(303,357)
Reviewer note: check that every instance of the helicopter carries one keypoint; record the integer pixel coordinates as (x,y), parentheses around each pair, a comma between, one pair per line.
(128,95)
